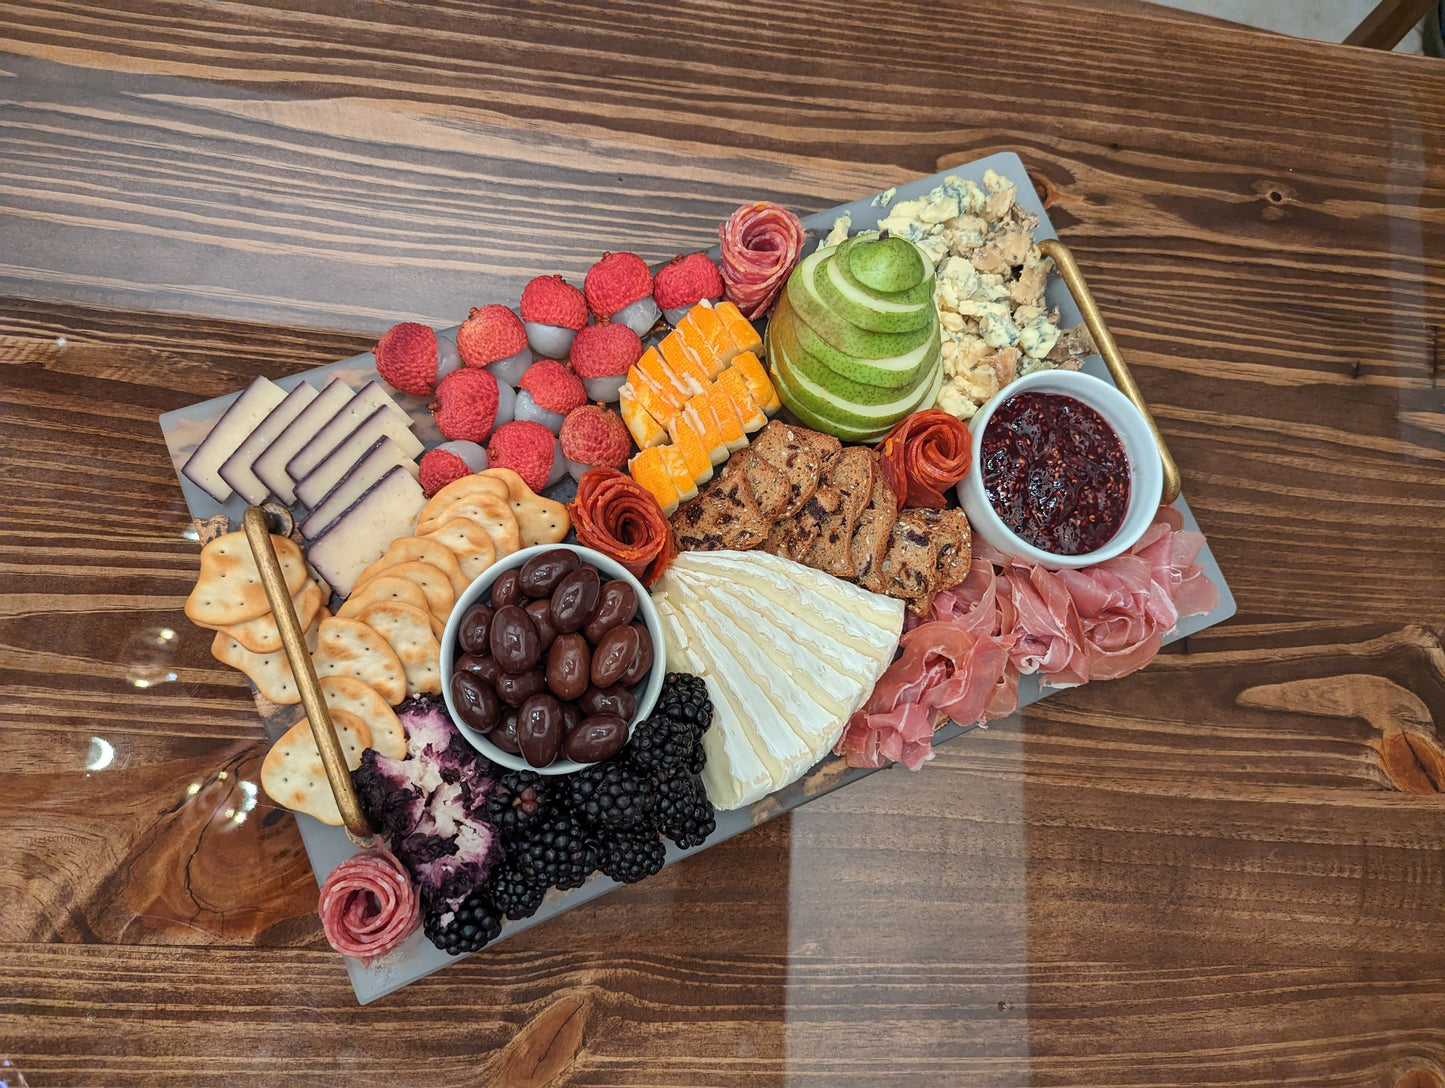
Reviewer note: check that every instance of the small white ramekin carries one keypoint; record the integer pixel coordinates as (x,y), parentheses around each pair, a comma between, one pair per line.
(1146,470)
(609,569)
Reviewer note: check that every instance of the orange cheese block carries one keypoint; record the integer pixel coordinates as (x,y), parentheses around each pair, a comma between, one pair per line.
(704,421)
(678,472)
(739,329)
(732,382)
(675,387)
(651,468)
(682,363)
(694,452)
(646,431)
(729,418)
(759,384)
(704,336)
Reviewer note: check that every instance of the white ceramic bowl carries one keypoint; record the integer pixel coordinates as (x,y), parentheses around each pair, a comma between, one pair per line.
(480,589)
(1146,471)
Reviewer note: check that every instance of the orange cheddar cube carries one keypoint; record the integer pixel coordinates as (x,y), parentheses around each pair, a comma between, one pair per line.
(699,413)
(659,406)
(739,329)
(683,363)
(732,382)
(703,335)
(651,469)
(645,430)
(729,419)
(697,456)
(678,472)
(759,384)
(673,386)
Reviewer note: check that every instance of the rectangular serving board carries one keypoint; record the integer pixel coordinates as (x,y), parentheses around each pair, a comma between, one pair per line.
(328,846)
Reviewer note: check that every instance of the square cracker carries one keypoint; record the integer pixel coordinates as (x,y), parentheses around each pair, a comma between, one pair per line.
(355,648)
(263,636)
(407,631)
(293,775)
(416,549)
(229,590)
(357,697)
(540,520)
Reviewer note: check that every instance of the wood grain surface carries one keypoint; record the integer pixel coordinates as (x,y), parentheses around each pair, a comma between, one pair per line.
(1225,870)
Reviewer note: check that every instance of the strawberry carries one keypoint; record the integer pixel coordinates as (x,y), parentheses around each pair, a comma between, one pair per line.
(594,435)
(466,404)
(551,300)
(406,358)
(527,448)
(490,333)
(686,281)
(617,280)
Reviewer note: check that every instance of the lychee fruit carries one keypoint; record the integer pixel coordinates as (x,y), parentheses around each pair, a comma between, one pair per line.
(449,461)
(466,405)
(493,337)
(601,356)
(529,450)
(412,358)
(547,392)
(552,312)
(593,436)
(684,282)
(619,290)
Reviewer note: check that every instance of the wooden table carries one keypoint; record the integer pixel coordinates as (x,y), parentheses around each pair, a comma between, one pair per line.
(1201,874)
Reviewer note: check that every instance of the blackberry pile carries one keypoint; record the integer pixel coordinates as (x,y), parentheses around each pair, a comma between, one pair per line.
(470,927)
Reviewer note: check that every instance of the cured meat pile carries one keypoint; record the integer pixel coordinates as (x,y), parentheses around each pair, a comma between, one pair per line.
(963,659)
(761,243)
(369,905)
(924,455)
(621,519)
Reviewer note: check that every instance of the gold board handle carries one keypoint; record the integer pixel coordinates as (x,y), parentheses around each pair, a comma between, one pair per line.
(258,535)
(1104,340)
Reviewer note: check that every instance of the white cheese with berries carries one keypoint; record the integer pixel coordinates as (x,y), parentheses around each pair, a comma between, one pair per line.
(270,466)
(245,414)
(361,535)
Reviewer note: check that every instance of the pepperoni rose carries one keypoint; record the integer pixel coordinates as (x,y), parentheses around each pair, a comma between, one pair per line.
(761,243)
(924,455)
(620,518)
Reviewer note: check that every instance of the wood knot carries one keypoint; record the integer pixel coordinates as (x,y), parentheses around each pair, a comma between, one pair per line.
(1277,197)
(1414,764)
(1418,1078)
(545,1049)
(1045,188)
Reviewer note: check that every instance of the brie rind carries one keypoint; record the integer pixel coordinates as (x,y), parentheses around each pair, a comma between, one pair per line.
(733,775)
(816,726)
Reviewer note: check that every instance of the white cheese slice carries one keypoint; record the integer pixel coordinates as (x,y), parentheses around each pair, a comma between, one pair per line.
(867,622)
(245,414)
(361,535)
(237,470)
(368,399)
(270,466)
(333,468)
(380,457)
(781,750)
(733,774)
(829,671)
(755,648)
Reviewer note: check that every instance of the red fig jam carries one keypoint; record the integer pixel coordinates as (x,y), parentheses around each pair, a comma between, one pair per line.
(1055,472)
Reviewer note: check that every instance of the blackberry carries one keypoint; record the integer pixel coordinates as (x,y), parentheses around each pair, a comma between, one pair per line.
(698,760)
(515,801)
(473,924)
(684,814)
(515,891)
(684,699)
(662,747)
(555,851)
(610,795)
(630,856)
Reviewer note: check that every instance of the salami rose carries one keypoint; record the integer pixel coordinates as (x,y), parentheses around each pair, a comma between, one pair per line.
(924,455)
(369,905)
(761,243)
(621,519)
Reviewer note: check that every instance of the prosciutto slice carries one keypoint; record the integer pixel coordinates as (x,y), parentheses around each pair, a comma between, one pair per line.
(620,518)
(962,660)
(369,905)
(761,243)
